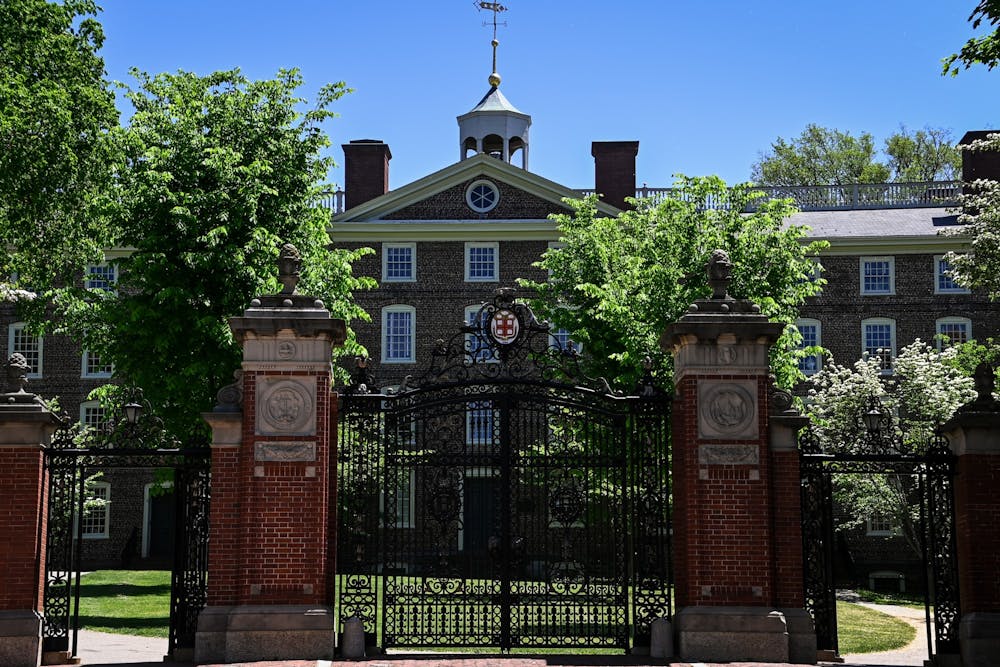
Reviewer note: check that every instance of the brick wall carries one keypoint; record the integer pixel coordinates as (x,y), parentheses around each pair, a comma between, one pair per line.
(977,508)
(22,496)
(915,307)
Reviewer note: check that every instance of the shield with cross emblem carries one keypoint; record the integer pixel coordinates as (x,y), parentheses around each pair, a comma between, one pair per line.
(504,327)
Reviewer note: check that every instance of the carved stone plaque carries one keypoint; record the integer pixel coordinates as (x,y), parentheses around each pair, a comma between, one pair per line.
(728,455)
(727,409)
(285,451)
(286,407)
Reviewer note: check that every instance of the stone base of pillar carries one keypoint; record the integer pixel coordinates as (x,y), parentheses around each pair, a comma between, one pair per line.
(253,633)
(20,638)
(979,637)
(755,634)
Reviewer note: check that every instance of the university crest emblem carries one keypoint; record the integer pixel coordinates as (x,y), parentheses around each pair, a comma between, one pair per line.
(504,327)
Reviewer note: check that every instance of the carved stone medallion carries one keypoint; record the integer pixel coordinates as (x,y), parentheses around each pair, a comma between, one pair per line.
(727,409)
(285,407)
(286,349)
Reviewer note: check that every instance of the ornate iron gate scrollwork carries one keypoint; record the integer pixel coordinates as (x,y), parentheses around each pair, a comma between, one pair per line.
(503,499)
(76,453)
(879,449)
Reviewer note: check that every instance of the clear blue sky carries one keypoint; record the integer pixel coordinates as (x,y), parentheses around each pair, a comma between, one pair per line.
(704,87)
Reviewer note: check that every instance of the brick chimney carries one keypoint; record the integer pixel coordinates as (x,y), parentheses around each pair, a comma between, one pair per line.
(979,164)
(614,170)
(366,171)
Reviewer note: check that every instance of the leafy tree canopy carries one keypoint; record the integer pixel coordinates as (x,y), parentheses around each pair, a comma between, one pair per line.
(219,171)
(57,125)
(979,266)
(617,283)
(825,156)
(982,50)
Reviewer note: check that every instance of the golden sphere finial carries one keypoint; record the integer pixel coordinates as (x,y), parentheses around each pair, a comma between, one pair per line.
(495,43)
(494,79)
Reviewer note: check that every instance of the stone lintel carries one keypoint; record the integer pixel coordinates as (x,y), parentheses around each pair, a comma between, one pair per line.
(20,638)
(721,344)
(726,634)
(979,638)
(252,633)
(974,433)
(784,430)
(227,428)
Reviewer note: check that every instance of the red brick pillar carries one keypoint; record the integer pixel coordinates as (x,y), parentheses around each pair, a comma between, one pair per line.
(271,469)
(974,433)
(731,519)
(25,429)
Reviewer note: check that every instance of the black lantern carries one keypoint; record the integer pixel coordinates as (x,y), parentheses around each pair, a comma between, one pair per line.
(132,411)
(873,420)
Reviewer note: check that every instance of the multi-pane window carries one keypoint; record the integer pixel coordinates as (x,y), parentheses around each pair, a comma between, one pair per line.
(479,424)
(476,344)
(97,512)
(880,525)
(398,323)
(944,283)
(811,337)
(877,275)
(404,488)
(21,341)
(92,414)
(399,262)
(564,343)
(953,331)
(93,367)
(481,262)
(101,276)
(879,340)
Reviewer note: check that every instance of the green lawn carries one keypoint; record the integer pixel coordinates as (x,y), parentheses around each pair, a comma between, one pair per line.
(863,630)
(126,602)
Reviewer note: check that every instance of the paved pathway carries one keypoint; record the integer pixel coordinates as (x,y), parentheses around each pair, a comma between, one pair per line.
(913,653)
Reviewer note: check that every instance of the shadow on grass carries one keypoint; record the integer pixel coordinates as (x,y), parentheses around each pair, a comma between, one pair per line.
(117,590)
(90,621)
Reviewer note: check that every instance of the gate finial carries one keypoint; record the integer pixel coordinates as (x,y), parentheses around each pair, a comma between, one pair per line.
(17,372)
(289,268)
(720,274)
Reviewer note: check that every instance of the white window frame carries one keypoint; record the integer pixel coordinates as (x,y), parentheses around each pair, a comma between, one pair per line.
(407,520)
(85,365)
(562,336)
(878,321)
(483,355)
(951,320)
(386,247)
(891,261)
(399,308)
(106,510)
(811,322)
(12,331)
(88,406)
(103,265)
(469,245)
(887,574)
(483,406)
(482,209)
(938,275)
(147,509)
(875,527)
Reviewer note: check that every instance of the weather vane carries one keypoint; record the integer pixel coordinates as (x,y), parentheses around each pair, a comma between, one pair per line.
(496,8)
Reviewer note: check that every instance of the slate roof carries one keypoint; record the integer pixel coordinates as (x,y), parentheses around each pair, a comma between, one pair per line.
(876,223)
(494,100)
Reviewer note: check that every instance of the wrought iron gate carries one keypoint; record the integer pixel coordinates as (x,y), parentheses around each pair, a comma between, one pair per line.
(498,503)
(74,455)
(921,472)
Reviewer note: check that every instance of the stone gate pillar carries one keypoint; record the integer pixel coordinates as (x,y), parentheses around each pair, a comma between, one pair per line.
(738,591)
(974,433)
(271,467)
(26,426)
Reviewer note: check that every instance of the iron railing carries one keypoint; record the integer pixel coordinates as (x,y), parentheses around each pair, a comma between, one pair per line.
(856,196)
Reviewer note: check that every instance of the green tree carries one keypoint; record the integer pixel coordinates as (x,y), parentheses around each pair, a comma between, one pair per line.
(57,121)
(925,155)
(926,388)
(979,265)
(820,156)
(219,172)
(616,283)
(983,50)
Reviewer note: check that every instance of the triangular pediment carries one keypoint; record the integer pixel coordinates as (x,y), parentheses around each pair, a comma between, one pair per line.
(434,195)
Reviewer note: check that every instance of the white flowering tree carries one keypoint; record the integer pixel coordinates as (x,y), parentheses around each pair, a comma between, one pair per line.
(926,388)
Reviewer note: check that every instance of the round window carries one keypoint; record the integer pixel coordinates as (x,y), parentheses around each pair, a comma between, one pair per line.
(482,196)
